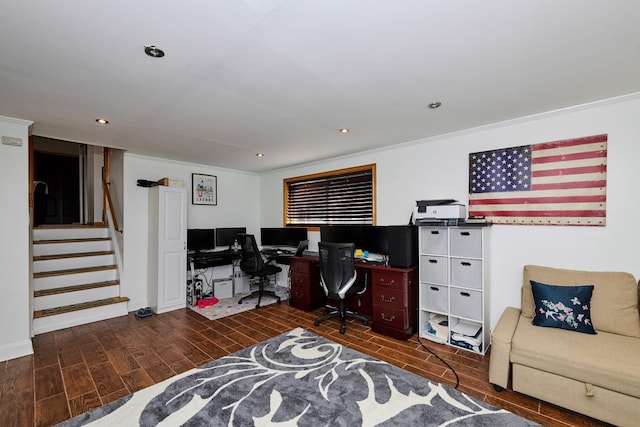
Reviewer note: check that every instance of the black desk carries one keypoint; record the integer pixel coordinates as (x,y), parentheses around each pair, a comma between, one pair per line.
(212,259)
(218,258)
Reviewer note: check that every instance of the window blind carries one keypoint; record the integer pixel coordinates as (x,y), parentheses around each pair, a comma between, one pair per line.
(331,198)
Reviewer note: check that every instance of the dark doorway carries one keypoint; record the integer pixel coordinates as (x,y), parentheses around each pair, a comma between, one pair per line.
(57,197)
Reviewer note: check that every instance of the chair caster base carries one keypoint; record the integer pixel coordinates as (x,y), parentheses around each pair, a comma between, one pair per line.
(365,323)
(316,323)
(498,388)
(343,329)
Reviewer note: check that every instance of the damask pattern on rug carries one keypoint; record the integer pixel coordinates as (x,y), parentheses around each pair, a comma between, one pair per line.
(298,379)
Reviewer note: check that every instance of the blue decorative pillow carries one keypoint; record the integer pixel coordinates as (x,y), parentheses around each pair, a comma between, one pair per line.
(564,307)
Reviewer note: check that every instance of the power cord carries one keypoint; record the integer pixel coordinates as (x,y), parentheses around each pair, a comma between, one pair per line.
(442,360)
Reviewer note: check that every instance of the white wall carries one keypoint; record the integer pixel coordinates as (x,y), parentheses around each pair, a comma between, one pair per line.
(437,168)
(15,257)
(425,169)
(238,206)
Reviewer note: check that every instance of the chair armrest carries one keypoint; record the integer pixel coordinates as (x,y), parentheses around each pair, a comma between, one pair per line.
(499,364)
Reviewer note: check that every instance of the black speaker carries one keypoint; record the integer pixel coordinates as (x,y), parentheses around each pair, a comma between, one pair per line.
(402,242)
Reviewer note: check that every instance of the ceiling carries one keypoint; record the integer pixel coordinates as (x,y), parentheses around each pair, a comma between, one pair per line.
(281,77)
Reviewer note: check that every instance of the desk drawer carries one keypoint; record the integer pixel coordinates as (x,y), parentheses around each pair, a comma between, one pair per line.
(388,280)
(389,316)
(300,285)
(387,297)
(306,293)
(300,266)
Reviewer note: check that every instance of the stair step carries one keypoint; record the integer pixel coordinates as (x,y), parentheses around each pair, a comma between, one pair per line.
(76,307)
(74,255)
(74,271)
(75,288)
(67,226)
(87,239)
(69,232)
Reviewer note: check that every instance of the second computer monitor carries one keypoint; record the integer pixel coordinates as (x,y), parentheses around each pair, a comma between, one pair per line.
(283,237)
(226,236)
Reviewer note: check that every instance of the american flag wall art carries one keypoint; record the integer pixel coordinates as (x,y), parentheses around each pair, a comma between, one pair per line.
(553,183)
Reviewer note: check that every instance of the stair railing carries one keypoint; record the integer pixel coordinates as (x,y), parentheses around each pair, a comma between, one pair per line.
(114,232)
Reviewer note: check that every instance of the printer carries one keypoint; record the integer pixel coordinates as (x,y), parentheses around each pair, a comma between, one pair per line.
(441,211)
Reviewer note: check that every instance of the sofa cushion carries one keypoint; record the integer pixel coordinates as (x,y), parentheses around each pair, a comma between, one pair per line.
(564,307)
(606,360)
(614,303)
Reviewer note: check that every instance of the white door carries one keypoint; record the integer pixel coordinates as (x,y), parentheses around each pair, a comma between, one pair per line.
(172,248)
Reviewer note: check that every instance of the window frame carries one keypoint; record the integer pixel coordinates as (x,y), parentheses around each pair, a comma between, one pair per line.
(327,174)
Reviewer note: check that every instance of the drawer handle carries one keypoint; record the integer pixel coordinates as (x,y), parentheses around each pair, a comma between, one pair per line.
(387,300)
(433,288)
(465,294)
(466,264)
(465,233)
(433,261)
(387,319)
(389,283)
(435,232)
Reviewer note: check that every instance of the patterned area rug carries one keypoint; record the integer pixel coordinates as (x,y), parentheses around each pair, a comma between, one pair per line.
(298,379)
(228,306)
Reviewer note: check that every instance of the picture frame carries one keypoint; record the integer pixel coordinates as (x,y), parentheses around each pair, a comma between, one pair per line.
(204,189)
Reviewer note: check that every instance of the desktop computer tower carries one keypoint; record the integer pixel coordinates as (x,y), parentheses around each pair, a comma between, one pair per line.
(402,242)
(194,292)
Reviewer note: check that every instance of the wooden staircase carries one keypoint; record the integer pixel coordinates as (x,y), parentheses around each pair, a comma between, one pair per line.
(75,277)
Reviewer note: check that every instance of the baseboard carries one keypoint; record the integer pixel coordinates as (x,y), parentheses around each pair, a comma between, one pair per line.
(15,350)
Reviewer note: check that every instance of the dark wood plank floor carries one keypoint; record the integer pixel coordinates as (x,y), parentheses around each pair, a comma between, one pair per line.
(80,368)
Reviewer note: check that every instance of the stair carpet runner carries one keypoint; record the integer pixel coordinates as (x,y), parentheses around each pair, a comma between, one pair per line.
(75,277)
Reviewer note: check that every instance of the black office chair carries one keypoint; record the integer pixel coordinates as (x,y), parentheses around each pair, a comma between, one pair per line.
(254,265)
(338,280)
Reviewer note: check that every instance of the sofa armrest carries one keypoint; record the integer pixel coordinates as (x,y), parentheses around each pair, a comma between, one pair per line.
(499,364)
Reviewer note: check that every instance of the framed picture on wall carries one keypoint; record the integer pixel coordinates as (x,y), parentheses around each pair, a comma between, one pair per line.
(204,189)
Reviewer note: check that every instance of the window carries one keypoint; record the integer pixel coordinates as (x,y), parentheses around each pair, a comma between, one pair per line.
(345,196)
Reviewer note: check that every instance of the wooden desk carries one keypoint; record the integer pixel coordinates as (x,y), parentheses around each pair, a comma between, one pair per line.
(390,300)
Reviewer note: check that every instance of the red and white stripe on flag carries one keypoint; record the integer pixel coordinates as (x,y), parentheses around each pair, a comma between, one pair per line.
(553,183)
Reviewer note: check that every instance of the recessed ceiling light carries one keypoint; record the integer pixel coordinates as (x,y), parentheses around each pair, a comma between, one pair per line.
(259,154)
(153,51)
(436,104)
(344,130)
(102,121)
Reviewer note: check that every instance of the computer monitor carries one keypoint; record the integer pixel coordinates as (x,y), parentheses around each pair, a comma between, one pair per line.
(201,239)
(226,236)
(342,234)
(371,238)
(289,237)
(375,239)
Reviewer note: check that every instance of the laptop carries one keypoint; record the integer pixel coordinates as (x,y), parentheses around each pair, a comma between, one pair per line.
(301,247)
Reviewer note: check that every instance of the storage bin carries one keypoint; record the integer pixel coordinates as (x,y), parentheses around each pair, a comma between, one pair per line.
(435,297)
(466,242)
(466,272)
(435,240)
(466,303)
(434,269)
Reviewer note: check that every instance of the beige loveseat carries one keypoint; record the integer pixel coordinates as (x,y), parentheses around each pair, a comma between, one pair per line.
(596,375)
